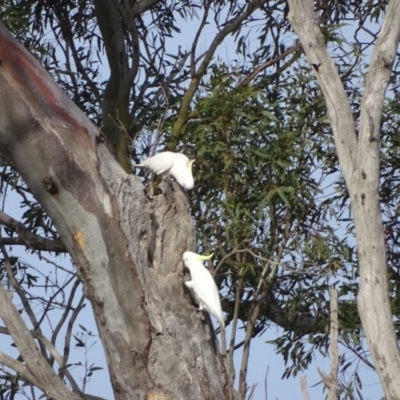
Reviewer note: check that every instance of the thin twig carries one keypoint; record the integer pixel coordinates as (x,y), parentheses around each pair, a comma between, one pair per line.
(262,291)
(267,64)
(196,38)
(234,330)
(68,334)
(304,389)
(266,384)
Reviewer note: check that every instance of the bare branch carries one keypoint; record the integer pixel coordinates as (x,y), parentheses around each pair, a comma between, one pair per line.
(301,16)
(27,307)
(231,365)
(142,7)
(229,27)
(360,163)
(197,36)
(331,381)
(267,64)
(263,288)
(27,238)
(373,300)
(304,389)
(20,368)
(70,325)
(266,384)
(43,374)
(57,356)
(49,303)
(265,282)
(64,25)
(26,376)
(67,310)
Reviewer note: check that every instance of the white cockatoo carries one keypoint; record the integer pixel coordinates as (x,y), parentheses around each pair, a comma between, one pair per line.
(203,285)
(175,164)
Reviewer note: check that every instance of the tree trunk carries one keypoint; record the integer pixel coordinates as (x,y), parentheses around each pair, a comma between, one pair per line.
(360,162)
(126,245)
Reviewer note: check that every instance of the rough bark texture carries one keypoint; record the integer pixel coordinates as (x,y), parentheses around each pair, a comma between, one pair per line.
(360,163)
(126,246)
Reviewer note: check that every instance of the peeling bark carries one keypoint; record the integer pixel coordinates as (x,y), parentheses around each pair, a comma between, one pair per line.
(126,246)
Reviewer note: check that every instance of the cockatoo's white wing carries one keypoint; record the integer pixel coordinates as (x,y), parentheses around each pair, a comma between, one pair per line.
(180,166)
(175,164)
(160,163)
(206,291)
(181,158)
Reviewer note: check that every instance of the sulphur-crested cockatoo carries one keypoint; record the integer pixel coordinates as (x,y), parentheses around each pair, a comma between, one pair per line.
(203,285)
(175,164)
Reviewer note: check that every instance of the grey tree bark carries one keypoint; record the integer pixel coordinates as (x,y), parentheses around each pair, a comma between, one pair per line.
(126,246)
(360,162)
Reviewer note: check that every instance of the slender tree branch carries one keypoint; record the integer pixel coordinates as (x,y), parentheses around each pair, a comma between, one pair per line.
(262,291)
(27,238)
(304,389)
(267,64)
(60,361)
(26,376)
(235,319)
(44,376)
(49,302)
(364,359)
(254,313)
(331,381)
(67,310)
(64,24)
(70,325)
(27,307)
(142,6)
(229,27)
(20,368)
(301,16)
(237,251)
(360,163)
(197,36)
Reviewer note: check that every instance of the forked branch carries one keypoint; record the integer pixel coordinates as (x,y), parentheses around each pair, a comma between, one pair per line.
(44,376)
(229,27)
(27,238)
(360,163)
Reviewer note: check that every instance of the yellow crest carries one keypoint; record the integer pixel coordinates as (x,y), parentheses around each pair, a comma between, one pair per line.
(199,257)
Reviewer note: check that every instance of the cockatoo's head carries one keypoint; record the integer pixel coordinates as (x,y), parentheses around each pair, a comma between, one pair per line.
(189,258)
(185,179)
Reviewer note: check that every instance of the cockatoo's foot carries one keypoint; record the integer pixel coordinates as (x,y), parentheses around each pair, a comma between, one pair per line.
(200,308)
